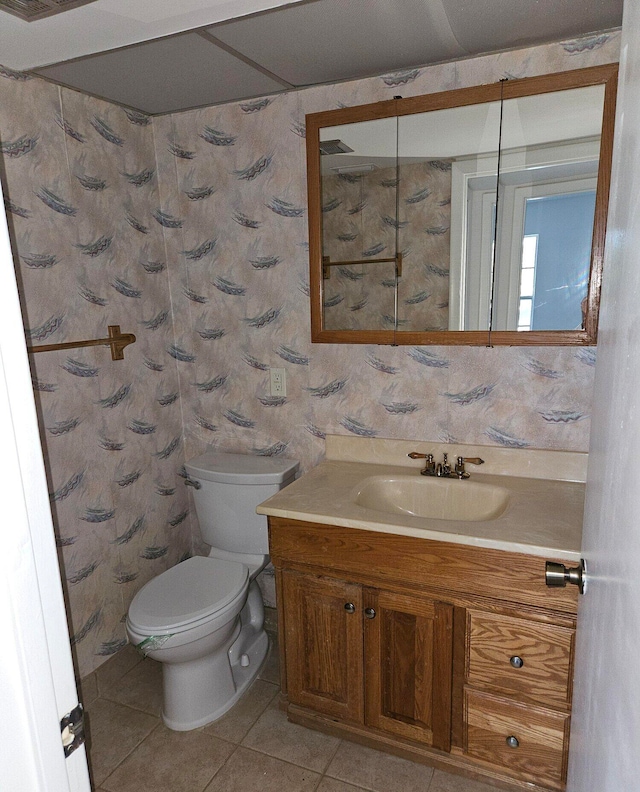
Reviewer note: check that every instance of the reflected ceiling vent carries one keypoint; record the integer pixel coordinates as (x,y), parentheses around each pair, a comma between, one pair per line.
(330,146)
(355,170)
(31,10)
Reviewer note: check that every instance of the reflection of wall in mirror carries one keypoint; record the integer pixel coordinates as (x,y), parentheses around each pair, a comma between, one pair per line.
(359,221)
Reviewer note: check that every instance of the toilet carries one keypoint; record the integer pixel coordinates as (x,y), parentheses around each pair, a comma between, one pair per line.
(203,619)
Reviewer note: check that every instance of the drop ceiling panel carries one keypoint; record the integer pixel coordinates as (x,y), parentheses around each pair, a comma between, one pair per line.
(161,76)
(107,24)
(489,25)
(330,40)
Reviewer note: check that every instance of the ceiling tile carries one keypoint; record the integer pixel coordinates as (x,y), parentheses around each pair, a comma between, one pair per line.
(490,25)
(161,76)
(331,40)
(306,43)
(108,24)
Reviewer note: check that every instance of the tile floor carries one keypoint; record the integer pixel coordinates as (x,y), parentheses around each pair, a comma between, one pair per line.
(251,749)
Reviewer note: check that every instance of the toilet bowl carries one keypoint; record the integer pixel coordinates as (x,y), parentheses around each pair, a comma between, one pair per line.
(203,619)
(198,681)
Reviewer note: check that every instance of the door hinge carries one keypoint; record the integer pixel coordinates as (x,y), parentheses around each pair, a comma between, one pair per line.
(72,730)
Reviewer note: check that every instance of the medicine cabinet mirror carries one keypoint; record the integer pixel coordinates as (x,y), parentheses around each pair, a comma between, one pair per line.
(474,216)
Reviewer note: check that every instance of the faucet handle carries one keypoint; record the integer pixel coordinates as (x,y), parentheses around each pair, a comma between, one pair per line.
(417,455)
(460,462)
(429,465)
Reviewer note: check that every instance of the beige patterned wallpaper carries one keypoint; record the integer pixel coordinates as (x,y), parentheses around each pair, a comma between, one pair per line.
(234,177)
(191,231)
(83,206)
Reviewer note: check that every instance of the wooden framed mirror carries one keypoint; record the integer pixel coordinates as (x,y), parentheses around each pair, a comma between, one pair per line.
(475,216)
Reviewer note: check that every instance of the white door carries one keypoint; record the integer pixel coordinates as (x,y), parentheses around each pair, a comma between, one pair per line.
(37,686)
(605,734)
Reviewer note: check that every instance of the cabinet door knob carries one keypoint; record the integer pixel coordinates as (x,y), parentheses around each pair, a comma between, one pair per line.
(349,607)
(370,613)
(516,662)
(513,742)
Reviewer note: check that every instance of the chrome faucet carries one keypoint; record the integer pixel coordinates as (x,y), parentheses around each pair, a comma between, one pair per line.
(443,469)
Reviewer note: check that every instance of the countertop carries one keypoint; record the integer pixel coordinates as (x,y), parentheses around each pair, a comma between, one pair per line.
(543,517)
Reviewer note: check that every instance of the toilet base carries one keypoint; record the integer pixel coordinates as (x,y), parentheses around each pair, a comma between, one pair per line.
(201,691)
(242,677)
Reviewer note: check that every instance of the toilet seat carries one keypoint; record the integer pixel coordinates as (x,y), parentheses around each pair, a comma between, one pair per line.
(187,595)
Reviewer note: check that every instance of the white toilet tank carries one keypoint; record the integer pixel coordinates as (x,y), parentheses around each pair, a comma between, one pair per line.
(231,486)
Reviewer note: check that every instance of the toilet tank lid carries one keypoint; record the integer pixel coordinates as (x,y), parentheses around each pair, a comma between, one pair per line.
(240,468)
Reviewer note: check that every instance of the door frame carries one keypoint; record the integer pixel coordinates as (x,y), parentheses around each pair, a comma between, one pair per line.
(37,682)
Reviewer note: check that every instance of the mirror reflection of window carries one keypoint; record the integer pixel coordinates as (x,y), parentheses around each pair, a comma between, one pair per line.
(556,253)
(548,175)
(430,146)
(527,280)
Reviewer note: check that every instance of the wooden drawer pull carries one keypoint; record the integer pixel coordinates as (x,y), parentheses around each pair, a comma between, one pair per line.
(516,661)
(513,742)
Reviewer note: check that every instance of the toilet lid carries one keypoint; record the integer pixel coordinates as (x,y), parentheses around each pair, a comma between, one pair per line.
(188,592)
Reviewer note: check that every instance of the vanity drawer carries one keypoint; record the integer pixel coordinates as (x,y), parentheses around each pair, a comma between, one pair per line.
(529,659)
(527,742)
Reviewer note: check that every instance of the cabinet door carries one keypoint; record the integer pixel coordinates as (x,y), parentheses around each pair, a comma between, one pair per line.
(323,644)
(408,650)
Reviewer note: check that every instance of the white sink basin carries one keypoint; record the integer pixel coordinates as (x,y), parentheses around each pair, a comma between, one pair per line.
(433,498)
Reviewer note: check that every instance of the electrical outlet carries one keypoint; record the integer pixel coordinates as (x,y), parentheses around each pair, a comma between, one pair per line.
(278,382)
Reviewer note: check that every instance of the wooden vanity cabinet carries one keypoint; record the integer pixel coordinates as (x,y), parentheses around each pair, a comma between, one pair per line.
(453,655)
(369,656)
(520,658)
(517,695)
(408,644)
(323,644)
(528,742)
